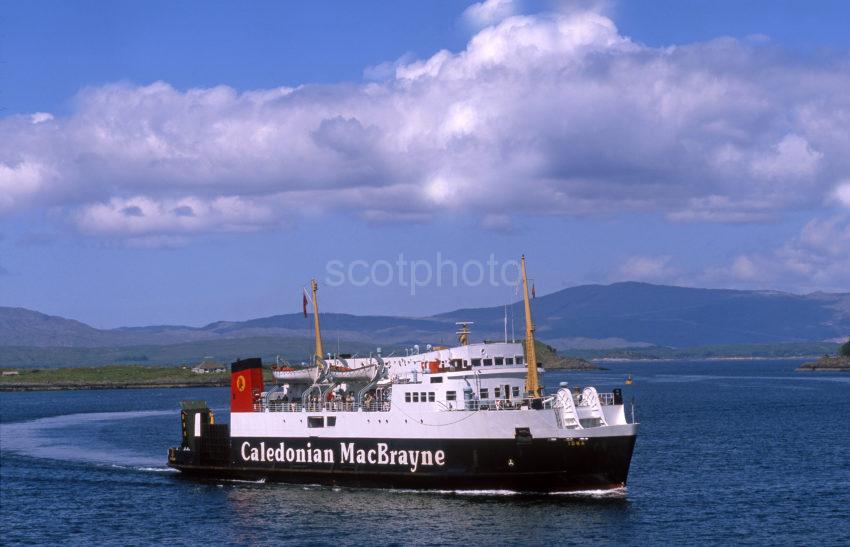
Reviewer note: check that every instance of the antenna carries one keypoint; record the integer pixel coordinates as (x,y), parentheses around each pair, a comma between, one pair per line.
(513,305)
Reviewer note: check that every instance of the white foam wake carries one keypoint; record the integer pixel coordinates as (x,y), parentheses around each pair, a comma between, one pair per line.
(45,438)
(614,493)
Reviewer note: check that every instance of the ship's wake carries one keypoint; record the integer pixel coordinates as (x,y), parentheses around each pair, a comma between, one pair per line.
(58,438)
(613,493)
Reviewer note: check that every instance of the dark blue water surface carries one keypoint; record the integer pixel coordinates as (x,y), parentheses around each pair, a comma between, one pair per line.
(728,451)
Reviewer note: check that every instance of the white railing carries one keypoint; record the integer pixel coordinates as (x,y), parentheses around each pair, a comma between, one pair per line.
(328,406)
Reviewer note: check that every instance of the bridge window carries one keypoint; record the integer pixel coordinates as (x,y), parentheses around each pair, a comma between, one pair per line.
(488,362)
(500,361)
(451,395)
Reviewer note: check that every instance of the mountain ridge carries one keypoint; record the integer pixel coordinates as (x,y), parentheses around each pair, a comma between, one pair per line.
(631,314)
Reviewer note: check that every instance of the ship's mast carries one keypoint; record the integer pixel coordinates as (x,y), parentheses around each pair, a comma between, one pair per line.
(320,354)
(532,386)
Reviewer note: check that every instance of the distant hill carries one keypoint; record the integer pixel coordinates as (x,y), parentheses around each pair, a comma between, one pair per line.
(588,317)
(636,314)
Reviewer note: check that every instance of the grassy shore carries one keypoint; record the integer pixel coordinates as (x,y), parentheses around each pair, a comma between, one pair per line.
(110,377)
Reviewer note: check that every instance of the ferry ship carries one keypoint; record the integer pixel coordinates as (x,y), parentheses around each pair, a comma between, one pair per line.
(473,416)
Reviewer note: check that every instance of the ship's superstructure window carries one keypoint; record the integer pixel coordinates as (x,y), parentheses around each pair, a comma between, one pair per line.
(518,359)
(436,379)
(315,421)
(331,421)
(419,397)
(509,360)
(476,362)
(451,396)
(516,391)
(500,361)
(488,362)
(484,393)
(497,392)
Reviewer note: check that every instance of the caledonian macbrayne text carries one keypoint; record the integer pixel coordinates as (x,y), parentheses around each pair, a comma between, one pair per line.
(348,453)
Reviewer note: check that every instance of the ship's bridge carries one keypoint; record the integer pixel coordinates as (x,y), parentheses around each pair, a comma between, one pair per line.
(484,355)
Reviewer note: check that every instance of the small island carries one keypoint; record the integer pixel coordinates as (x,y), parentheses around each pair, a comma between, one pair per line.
(549,358)
(830,363)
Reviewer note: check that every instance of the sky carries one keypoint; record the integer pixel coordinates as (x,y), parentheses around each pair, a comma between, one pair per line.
(187,162)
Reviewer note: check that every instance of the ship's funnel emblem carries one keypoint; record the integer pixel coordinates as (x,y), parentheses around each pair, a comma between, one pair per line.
(240,383)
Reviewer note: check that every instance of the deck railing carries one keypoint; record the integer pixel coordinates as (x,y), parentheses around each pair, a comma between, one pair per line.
(327,406)
(605,399)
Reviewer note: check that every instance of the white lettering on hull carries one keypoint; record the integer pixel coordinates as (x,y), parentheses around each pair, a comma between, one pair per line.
(349,453)
(382,455)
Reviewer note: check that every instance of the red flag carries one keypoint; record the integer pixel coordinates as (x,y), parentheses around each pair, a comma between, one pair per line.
(533,291)
(304,303)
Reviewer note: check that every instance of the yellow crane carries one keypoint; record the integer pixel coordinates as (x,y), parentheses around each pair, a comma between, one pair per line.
(532,385)
(320,354)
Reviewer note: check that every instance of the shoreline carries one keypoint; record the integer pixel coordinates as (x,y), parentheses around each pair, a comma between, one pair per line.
(693,359)
(130,385)
(827,363)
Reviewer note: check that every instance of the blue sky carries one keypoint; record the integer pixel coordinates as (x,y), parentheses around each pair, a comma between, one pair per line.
(189,162)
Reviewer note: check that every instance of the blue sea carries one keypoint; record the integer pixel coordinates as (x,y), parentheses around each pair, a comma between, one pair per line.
(741,452)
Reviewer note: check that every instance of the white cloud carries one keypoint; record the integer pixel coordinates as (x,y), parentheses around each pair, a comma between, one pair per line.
(144,216)
(816,258)
(841,194)
(20,183)
(555,114)
(647,268)
(40,117)
(488,12)
(792,157)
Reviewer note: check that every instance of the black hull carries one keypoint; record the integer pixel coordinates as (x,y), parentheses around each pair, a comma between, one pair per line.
(531,465)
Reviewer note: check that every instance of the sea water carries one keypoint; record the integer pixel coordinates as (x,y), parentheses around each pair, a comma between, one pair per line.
(744,451)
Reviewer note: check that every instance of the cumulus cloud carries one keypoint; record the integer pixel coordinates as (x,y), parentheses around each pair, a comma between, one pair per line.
(489,12)
(841,194)
(557,114)
(817,257)
(647,268)
(142,215)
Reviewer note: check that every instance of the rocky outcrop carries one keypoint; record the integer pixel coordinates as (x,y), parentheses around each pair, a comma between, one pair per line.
(827,363)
